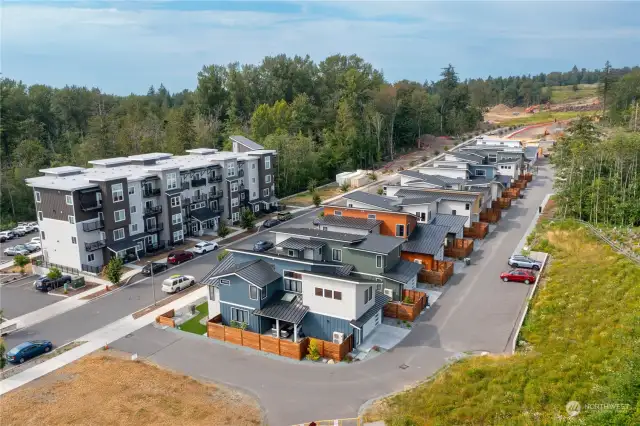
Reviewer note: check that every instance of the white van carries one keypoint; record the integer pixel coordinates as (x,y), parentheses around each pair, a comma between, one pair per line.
(175,283)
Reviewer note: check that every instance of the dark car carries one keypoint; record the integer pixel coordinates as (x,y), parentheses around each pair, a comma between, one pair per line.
(47,284)
(269,223)
(262,246)
(518,275)
(157,268)
(27,350)
(179,256)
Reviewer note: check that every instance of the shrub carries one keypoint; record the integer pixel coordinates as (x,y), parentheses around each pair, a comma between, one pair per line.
(247,219)
(223,229)
(21,261)
(222,255)
(413,163)
(372,176)
(407,300)
(347,358)
(436,152)
(113,271)
(345,187)
(312,185)
(312,351)
(54,273)
(238,324)
(316,199)
(446,148)
(424,158)
(380,191)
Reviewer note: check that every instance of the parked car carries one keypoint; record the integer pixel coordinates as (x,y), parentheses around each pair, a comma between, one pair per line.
(36,240)
(45,283)
(270,223)
(179,256)
(18,231)
(13,251)
(177,282)
(317,221)
(5,236)
(283,216)
(157,268)
(32,247)
(27,350)
(26,226)
(205,247)
(518,275)
(262,246)
(519,261)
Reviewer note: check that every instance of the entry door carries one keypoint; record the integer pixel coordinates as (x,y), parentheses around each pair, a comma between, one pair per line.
(148,204)
(148,186)
(101,215)
(151,222)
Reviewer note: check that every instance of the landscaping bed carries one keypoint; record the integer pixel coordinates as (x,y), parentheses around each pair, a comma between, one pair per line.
(193,325)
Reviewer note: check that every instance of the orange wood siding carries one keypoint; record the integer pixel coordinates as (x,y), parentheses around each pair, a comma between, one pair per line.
(426,259)
(389,220)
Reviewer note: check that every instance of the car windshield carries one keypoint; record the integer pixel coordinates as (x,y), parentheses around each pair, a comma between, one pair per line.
(18,348)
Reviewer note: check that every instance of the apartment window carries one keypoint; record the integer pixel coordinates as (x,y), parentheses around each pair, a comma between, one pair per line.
(253,165)
(267,163)
(40,216)
(239,315)
(371,216)
(253,180)
(337,295)
(467,206)
(71,219)
(133,228)
(117,194)
(267,179)
(69,200)
(293,285)
(399,230)
(418,261)
(336,255)
(481,172)
(337,213)
(119,215)
(265,192)
(176,218)
(368,295)
(318,291)
(91,257)
(242,196)
(172,181)
(253,292)
(37,196)
(231,169)
(133,209)
(178,236)
(234,187)
(291,253)
(264,293)
(118,234)
(74,240)
(225,281)
(328,294)
(175,201)
(235,216)
(234,202)
(453,212)
(42,235)
(378,261)
(256,208)
(132,190)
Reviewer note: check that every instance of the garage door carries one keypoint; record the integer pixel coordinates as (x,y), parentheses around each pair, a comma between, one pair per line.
(370,325)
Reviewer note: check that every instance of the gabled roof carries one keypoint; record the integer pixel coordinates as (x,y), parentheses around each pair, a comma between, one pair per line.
(257,272)
(246,142)
(403,271)
(374,200)
(506,161)
(301,243)
(348,222)
(430,179)
(379,303)
(455,223)
(322,235)
(449,194)
(376,243)
(470,156)
(414,199)
(284,306)
(426,239)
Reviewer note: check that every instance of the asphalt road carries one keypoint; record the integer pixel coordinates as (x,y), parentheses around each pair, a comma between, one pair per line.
(477,312)
(19,298)
(10,243)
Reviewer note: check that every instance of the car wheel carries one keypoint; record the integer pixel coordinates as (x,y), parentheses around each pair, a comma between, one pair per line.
(515,265)
(192,283)
(21,360)
(536,267)
(47,349)
(505,280)
(527,282)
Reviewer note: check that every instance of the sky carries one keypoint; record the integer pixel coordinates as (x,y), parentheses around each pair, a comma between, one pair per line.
(124,47)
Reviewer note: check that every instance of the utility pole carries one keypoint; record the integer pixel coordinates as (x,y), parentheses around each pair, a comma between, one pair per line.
(152,283)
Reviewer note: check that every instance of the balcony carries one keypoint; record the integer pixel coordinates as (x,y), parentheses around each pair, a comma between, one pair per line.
(241,173)
(88,207)
(92,269)
(218,210)
(215,179)
(215,195)
(93,225)
(150,192)
(152,248)
(198,198)
(152,211)
(153,228)
(198,182)
(185,185)
(96,245)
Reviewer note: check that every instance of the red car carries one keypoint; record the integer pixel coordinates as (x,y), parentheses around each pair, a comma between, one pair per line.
(179,256)
(519,275)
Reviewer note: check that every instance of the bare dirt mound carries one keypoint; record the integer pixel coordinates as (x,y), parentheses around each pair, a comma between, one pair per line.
(502,112)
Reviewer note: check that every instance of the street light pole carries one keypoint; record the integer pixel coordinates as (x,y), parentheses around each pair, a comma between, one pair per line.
(152,283)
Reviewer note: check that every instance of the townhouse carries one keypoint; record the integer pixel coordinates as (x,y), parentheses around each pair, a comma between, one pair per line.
(131,206)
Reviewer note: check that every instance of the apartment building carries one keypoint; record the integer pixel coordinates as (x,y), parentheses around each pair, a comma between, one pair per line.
(131,206)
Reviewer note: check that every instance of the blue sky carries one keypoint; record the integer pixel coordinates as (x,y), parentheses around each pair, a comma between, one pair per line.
(125,46)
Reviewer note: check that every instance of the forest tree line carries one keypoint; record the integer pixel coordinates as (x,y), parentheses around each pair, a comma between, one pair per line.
(335,115)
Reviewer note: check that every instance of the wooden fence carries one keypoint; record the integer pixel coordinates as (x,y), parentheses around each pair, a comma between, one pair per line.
(478,230)
(167,319)
(520,184)
(490,215)
(527,176)
(460,248)
(501,203)
(334,351)
(439,274)
(512,193)
(407,311)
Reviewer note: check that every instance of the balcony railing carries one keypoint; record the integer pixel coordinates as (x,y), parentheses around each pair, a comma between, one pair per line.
(90,206)
(218,210)
(90,268)
(198,182)
(151,211)
(198,198)
(93,225)
(240,173)
(153,228)
(150,192)
(185,185)
(215,179)
(215,195)
(152,248)
(96,245)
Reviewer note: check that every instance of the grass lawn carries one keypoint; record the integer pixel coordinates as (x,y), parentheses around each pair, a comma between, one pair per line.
(560,94)
(580,342)
(306,199)
(193,325)
(543,117)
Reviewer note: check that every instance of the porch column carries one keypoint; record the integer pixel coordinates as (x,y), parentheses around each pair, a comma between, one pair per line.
(295,333)
(278,328)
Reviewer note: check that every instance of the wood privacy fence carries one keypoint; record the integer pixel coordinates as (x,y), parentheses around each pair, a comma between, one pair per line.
(527,176)
(490,215)
(167,319)
(331,350)
(439,274)
(501,203)
(512,193)
(459,248)
(478,230)
(520,184)
(407,311)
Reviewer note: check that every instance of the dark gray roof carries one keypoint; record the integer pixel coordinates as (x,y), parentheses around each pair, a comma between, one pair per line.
(376,243)
(379,303)
(430,179)
(301,243)
(480,181)
(531,152)
(276,308)
(257,272)
(323,235)
(246,142)
(226,264)
(344,270)
(455,223)
(349,222)
(450,180)
(374,200)
(121,245)
(354,278)
(450,194)
(203,214)
(403,271)
(426,239)
(505,161)
(470,156)
(414,199)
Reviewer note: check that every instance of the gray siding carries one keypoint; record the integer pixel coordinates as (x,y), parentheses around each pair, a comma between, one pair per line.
(363,261)
(392,258)
(109,207)
(254,323)
(53,204)
(237,292)
(322,326)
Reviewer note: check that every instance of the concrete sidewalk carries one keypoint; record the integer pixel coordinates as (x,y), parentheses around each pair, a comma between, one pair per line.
(94,341)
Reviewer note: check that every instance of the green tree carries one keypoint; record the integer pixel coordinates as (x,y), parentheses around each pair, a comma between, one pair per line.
(312,185)
(113,270)
(316,199)
(223,229)
(21,261)
(247,219)
(345,187)
(54,273)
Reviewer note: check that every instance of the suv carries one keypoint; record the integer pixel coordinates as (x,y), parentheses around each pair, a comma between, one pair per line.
(283,216)
(47,284)
(177,282)
(205,247)
(262,246)
(5,235)
(179,256)
(519,261)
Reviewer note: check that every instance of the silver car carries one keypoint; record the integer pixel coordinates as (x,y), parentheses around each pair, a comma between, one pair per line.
(520,261)
(13,251)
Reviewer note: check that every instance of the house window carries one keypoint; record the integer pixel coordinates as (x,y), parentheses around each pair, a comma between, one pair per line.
(176,218)
(212,293)
(267,179)
(253,292)
(175,201)
(71,219)
(132,190)
(235,202)
(368,295)
(349,204)
(172,181)
(336,255)
(337,213)
(69,200)
(178,236)
(225,282)
(371,216)
(118,234)
(318,291)
(267,163)
(117,194)
(453,212)
(492,158)
(239,315)
(337,295)
(253,165)
(119,215)
(265,192)
(139,245)
(418,261)
(91,257)
(37,196)
(378,261)
(74,240)
(399,230)
(328,294)
(40,216)
(467,206)
(133,228)
(256,208)
(242,196)
(291,253)
(480,172)
(231,169)
(234,187)
(293,285)
(133,209)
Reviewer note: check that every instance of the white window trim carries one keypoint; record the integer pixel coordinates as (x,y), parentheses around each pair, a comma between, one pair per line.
(337,213)
(379,261)
(115,215)
(179,219)
(71,219)
(267,179)
(176,204)
(256,208)
(139,245)
(235,202)
(267,163)
(115,232)
(371,216)
(132,190)
(119,192)
(257,291)
(224,281)
(131,230)
(265,192)
(40,215)
(74,240)
(133,210)
(38,199)
(481,172)
(234,187)
(403,230)
(333,257)
(67,198)
(172,181)
(91,257)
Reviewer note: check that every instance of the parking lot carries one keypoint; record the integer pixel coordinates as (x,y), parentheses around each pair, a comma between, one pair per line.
(20,297)
(14,242)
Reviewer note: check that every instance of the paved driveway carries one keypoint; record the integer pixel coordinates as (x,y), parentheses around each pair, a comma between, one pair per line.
(19,298)
(477,312)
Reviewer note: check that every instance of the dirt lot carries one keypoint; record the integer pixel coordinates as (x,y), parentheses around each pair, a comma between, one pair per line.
(107,389)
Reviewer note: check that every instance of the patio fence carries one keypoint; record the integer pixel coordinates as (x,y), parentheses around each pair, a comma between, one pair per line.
(478,230)
(490,215)
(167,319)
(407,311)
(460,248)
(527,176)
(513,193)
(439,274)
(501,203)
(39,261)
